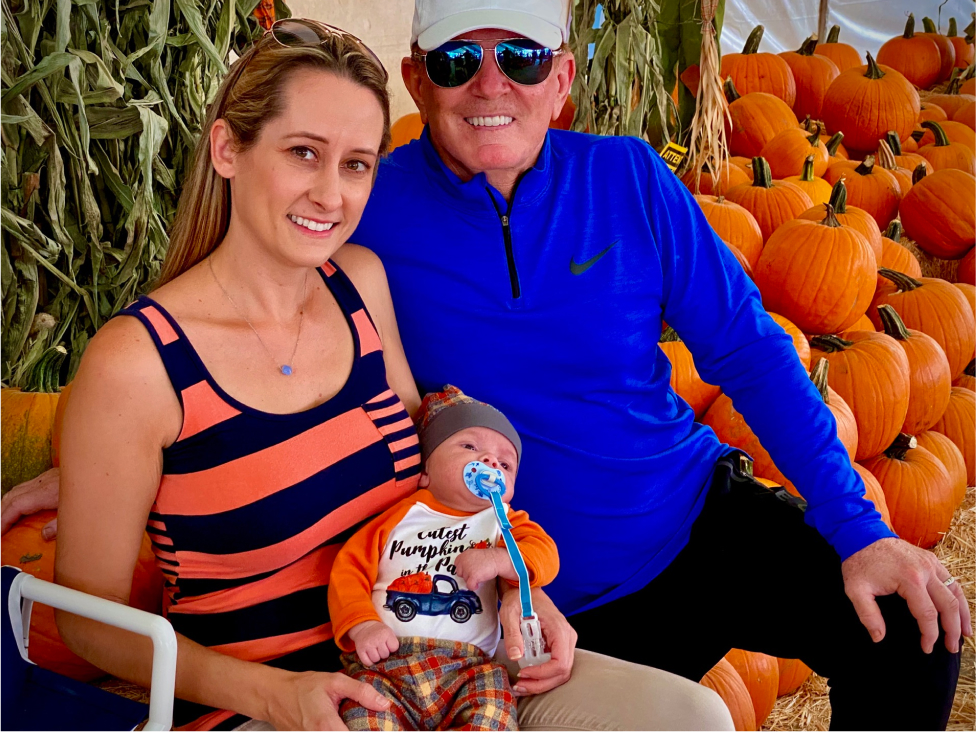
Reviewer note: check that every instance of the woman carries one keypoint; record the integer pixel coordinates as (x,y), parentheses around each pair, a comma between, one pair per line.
(255,409)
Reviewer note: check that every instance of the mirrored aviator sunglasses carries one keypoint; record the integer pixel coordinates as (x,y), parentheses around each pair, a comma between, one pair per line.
(457,62)
(304,32)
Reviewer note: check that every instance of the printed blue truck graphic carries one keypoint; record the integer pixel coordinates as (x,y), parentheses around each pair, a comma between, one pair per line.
(459,604)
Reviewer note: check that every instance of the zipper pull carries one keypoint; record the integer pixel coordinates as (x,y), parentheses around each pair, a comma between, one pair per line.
(504,220)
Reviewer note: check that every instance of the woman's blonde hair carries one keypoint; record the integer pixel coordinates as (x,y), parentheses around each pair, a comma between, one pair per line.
(249,97)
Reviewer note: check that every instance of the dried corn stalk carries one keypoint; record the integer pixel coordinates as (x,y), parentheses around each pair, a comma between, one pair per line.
(707,145)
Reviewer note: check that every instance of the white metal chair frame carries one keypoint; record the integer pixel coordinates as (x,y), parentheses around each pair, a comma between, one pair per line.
(157,628)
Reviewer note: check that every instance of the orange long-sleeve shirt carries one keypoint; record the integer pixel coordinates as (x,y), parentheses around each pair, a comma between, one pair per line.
(399,569)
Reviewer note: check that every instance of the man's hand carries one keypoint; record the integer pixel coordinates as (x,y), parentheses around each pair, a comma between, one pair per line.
(374,641)
(560,641)
(891,565)
(475,566)
(35,495)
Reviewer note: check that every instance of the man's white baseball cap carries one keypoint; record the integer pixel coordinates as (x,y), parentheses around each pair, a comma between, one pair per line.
(437,21)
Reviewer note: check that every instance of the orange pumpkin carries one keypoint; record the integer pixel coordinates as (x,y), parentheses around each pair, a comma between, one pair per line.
(870,372)
(734,225)
(761,676)
(896,256)
(967,380)
(947,52)
(954,131)
(917,489)
(405,130)
(741,259)
(771,202)
(754,119)
(714,184)
(970,292)
(792,675)
(812,74)
(863,323)
(867,101)
(24,547)
(844,55)
(916,57)
(869,187)
(959,425)
(932,306)
(685,380)
(939,213)
(800,342)
(874,493)
(929,111)
(966,114)
(752,71)
(967,267)
(726,682)
(886,159)
(852,216)
(963,49)
(788,150)
(928,373)
(943,153)
(952,460)
(25,438)
(817,188)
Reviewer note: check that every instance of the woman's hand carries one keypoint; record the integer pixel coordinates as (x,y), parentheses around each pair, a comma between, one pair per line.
(560,641)
(311,700)
(35,495)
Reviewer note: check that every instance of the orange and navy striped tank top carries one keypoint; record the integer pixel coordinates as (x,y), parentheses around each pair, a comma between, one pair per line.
(253,507)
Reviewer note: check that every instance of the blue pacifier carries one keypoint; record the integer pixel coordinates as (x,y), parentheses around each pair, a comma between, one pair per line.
(489,484)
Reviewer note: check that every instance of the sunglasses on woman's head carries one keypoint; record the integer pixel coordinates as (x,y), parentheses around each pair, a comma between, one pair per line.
(456,62)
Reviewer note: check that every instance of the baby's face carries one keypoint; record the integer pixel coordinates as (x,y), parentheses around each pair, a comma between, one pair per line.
(444,473)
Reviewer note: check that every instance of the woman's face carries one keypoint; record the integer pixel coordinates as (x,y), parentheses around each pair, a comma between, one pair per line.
(300,190)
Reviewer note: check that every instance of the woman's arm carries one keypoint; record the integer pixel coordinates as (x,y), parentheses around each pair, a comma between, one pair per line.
(366,272)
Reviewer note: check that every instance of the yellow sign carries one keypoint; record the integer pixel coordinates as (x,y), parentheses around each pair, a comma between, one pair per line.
(673,154)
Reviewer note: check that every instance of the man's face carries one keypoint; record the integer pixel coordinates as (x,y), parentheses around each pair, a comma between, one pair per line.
(456,116)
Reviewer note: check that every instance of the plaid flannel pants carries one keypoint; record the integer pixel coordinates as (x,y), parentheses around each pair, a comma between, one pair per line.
(433,684)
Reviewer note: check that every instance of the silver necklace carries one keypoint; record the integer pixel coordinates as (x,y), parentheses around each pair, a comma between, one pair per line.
(284,368)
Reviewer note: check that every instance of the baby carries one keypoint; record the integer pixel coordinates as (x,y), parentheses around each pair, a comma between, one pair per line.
(414,594)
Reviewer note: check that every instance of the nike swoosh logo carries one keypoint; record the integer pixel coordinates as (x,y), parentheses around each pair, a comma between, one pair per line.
(578,269)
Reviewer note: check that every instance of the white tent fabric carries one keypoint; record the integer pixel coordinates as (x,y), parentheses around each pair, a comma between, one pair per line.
(865,24)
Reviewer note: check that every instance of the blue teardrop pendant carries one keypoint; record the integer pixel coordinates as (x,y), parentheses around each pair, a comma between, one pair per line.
(286,370)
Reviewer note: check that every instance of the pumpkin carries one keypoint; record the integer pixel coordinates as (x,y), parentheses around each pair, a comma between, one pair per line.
(24,547)
(817,188)
(903,159)
(917,490)
(754,119)
(952,460)
(843,55)
(966,114)
(771,202)
(939,213)
(741,259)
(406,129)
(929,111)
(874,493)
(564,121)
(761,676)
(27,419)
(869,187)
(726,682)
(713,184)
(895,256)
(870,372)
(812,74)
(932,306)
(917,57)
(928,373)
(851,216)
(751,71)
(835,148)
(967,267)
(800,342)
(970,292)
(685,380)
(867,101)
(967,380)
(968,86)
(843,416)
(885,159)
(954,132)
(959,425)
(863,323)
(734,225)
(788,150)
(792,675)
(943,153)
(963,49)
(947,51)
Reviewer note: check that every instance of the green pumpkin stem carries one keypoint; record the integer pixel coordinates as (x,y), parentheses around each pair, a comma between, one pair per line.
(833,144)
(818,375)
(900,447)
(904,282)
(731,93)
(910,26)
(830,219)
(971,368)
(814,138)
(920,172)
(807,175)
(874,71)
(929,25)
(941,140)
(44,375)
(838,197)
(809,46)
(761,174)
(891,137)
(833,34)
(918,135)
(830,343)
(892,323)
(952,32)
(893,231)
(866,167)
(669,336)
(754,39)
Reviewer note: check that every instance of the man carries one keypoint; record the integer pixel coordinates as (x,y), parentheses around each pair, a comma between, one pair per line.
(533,268)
